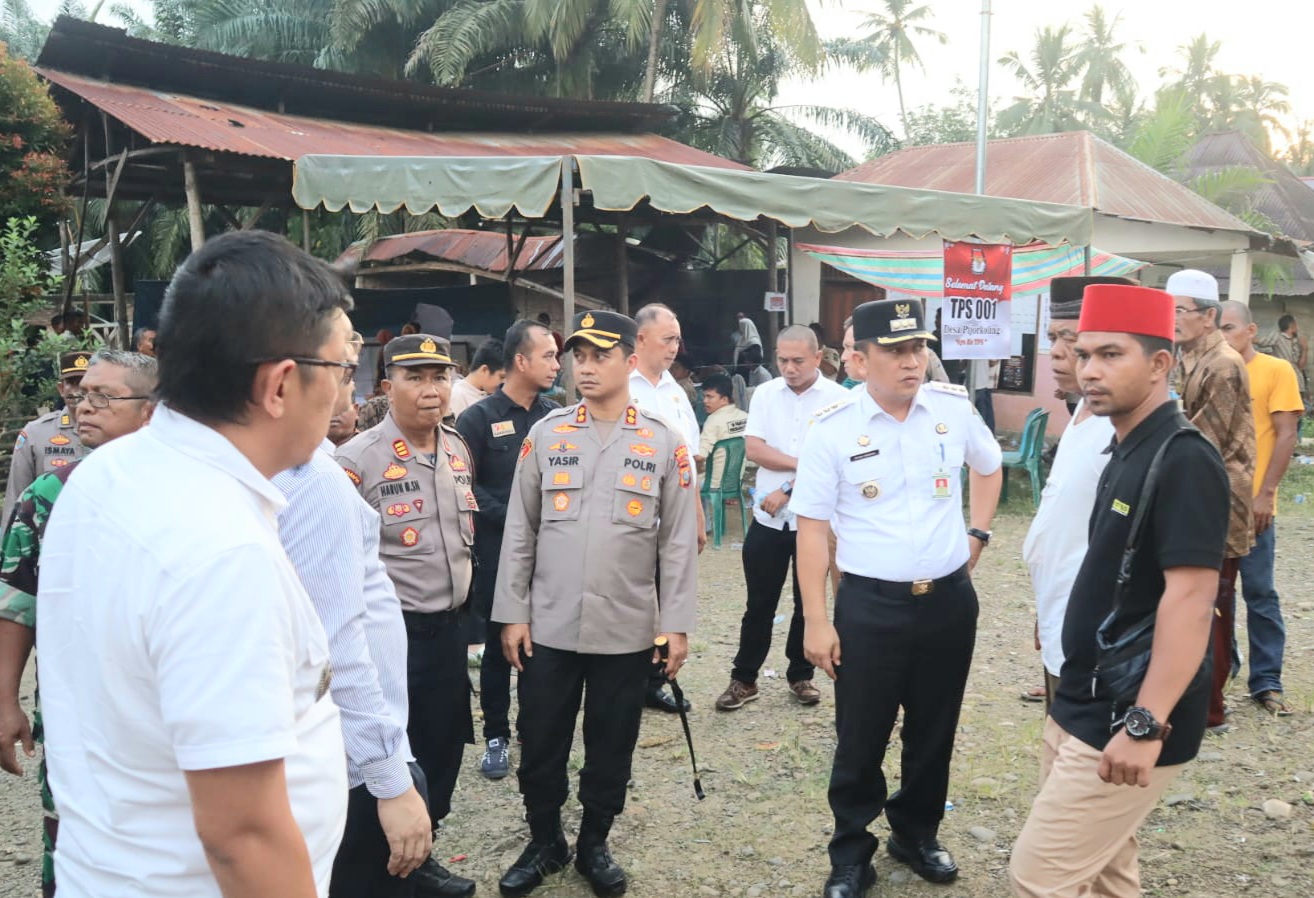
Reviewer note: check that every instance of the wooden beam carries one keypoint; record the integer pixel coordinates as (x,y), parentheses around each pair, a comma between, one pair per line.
(192,187)
(116,276)
(233,221)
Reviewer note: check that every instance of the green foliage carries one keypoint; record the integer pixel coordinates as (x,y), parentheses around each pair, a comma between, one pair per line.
(953,122)
(32,142)
(893,31)
(1051,78)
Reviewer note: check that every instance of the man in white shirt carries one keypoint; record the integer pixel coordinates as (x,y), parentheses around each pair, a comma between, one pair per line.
(184,672)
(778,419)
(1056,543)
(653,389)
(486,375)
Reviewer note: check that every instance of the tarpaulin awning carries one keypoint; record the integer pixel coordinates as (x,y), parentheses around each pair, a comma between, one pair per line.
(921,273)
(495,186)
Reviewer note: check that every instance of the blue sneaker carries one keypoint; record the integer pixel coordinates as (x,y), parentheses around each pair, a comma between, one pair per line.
(496,762)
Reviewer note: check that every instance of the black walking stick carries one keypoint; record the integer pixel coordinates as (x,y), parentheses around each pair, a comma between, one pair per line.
(664,652)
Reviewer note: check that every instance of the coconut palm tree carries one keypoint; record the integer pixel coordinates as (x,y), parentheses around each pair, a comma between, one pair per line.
(893,32)
(1099,56)
(1050,77)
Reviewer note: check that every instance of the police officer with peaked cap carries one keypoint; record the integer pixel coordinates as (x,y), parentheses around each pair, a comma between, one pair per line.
(415,470)
(603,499)
(49,442)
(885,465)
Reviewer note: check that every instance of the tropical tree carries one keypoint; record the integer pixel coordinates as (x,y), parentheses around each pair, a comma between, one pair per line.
(1163,135)
(1299,156)
(1099,57)
(953,122)
(1050,78)
(33,139)
(893,32)
(20,30)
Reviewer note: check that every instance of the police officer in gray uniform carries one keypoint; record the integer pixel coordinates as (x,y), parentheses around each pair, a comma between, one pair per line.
(604,496)
(885,464)
(49,442)
(416,472)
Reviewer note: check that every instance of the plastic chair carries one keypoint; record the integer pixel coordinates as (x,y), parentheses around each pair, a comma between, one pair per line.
(1028,454)
(731,488)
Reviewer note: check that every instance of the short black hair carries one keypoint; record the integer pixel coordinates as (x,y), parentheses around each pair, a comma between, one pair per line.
(243,296)
(489,354)
(1151,345)
(685,360)
(720,384)
(517,340)
(1286,321)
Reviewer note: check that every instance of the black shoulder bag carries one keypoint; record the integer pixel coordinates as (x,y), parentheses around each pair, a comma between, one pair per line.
(1121,662)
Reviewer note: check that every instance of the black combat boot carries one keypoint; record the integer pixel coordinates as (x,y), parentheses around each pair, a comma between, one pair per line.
(593,860)
(547,853)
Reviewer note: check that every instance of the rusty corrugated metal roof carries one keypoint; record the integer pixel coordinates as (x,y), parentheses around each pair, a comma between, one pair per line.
(1284,199)
(169,118)
(484,250)
(1075,168)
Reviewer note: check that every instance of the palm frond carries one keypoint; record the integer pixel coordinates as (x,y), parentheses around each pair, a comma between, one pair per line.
(465,32)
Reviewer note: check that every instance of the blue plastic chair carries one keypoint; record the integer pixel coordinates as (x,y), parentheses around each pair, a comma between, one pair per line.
(1028,454)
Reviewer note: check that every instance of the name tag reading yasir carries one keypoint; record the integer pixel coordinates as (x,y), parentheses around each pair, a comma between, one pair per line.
(503,428)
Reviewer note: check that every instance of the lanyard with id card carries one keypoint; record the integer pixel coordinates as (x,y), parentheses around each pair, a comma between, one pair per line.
(941,479)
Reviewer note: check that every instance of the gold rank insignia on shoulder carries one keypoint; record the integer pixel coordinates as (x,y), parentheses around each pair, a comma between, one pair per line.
(400,449)
(581,415)
(631,415)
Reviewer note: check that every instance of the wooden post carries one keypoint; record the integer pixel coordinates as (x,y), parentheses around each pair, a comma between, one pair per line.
(305,229)
(568,265)
(622,267)
(193,190)
(116,276)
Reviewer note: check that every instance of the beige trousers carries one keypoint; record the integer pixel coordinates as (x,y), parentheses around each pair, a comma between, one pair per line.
(1080,837)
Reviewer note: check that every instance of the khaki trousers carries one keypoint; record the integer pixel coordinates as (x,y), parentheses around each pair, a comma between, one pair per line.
(1080,837)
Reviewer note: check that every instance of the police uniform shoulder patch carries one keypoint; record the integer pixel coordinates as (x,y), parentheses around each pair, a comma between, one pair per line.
(825,412)
(525,448)
(65,420)
(631,416)
(400,449)
(22,439)
(352,476)
(950,389)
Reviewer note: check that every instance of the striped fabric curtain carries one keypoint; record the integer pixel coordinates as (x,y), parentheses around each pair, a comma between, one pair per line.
(922,273)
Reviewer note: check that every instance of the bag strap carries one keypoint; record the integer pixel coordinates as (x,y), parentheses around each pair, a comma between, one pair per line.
(1143,504)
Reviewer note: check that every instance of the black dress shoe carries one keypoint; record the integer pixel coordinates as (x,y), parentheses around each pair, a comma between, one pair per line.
(664,701)
(433,880)
(605,876)
(538,860)
(927,858)
(849,881)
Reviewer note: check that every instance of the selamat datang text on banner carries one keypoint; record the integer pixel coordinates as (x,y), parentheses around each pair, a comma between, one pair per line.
(978,286)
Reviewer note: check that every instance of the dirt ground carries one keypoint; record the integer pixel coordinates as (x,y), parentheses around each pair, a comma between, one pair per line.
(763,828)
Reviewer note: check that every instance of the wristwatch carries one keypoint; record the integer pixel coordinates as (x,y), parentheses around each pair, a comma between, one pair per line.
(1141,725)
(787,487)
(983,535)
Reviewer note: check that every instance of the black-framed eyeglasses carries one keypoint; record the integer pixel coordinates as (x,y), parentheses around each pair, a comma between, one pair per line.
(97,400)
(348,368)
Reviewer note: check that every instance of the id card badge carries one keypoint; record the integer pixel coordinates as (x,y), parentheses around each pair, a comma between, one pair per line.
(942,484)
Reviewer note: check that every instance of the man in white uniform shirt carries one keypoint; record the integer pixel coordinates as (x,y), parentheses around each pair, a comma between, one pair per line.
(1056,542)
(653,389)
(184,673)
(778,420)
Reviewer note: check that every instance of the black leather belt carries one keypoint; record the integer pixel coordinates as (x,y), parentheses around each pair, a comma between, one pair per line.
(426,623)
(910,587)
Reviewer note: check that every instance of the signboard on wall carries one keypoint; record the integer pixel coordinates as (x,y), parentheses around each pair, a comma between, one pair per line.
(978,287)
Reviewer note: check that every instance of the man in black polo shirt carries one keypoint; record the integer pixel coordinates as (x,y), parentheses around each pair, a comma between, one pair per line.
(1080,837)
(493,428)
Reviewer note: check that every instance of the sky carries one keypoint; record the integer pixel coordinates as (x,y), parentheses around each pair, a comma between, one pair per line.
(1272,45)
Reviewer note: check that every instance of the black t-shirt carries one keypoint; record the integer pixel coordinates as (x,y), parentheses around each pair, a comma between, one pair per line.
(1187,527)
(493,428)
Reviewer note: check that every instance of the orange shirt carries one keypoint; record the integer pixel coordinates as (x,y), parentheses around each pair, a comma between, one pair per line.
(1273,388)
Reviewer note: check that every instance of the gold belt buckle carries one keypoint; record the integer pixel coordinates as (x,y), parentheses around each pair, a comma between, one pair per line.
(922,587)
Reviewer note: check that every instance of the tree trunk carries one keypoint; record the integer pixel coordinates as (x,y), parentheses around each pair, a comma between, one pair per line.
(898,85)
(654,39)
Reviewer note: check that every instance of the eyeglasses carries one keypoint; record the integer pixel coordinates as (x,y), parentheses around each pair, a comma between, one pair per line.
(98,400)
(348,368)
(1183,310)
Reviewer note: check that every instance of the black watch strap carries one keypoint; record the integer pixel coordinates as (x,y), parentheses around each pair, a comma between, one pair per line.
(983,535)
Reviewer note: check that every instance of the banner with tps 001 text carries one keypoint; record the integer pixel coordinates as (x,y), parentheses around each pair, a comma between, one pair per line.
(978,287)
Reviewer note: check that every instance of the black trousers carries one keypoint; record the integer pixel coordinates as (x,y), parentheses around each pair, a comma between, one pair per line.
(438,687)
(767,557)
(899,649)
(550,689)
(495,685)
(360,869)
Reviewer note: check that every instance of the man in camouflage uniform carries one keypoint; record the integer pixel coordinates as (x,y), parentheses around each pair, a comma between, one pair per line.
(51,441)
(113,400)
